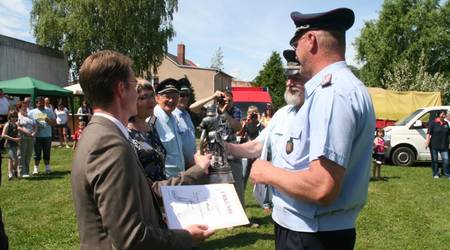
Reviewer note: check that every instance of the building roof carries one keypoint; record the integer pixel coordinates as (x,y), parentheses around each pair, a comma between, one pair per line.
(190,64)
(31,47)
(187,62)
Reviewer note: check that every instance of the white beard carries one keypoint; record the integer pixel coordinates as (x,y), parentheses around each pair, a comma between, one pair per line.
(294,99)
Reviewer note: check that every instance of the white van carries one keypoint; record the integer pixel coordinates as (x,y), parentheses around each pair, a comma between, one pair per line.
(406,138)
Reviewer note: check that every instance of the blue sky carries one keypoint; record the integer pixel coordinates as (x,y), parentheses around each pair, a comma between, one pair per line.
(246,30)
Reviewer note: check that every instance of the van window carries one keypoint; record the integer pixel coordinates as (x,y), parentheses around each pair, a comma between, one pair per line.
(406,119)
(425,120)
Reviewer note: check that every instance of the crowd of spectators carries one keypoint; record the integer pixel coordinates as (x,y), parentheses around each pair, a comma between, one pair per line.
(26,129)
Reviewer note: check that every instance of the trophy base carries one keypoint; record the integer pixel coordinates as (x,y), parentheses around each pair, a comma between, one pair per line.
(216,178)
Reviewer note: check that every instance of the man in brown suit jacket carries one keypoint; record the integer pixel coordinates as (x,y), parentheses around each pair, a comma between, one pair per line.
(117,207)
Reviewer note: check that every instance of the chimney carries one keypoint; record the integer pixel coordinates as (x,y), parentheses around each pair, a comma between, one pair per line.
(180,53)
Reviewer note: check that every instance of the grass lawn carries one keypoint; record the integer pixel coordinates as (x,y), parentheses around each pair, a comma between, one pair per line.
(408,210)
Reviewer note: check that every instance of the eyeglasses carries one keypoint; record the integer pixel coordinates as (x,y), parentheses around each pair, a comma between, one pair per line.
(144,97)
(294,45)
(170,95)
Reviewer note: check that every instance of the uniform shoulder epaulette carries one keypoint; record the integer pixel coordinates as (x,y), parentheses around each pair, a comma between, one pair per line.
(326,81)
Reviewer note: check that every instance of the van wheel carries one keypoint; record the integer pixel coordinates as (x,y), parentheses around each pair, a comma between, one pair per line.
(403,156)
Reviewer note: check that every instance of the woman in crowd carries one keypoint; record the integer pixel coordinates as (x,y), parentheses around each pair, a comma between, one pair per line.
(143,134)
(267,115)
(62,114)
(438,141)
(27,130)
(85,112)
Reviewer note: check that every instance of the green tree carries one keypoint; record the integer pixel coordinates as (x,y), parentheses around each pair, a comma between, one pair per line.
(403,78)
(405,30)
(272,76)
(137,28)
(217,60)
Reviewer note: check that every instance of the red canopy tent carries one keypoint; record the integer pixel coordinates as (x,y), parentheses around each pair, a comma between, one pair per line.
(251,94)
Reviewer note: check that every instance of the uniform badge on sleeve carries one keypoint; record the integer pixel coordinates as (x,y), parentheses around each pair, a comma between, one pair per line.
(326,81)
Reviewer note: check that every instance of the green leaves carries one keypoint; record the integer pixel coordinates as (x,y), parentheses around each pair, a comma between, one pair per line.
(408,43)
(272,76)
(137,28)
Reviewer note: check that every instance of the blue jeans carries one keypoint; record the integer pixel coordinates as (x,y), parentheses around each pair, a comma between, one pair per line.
(434,161)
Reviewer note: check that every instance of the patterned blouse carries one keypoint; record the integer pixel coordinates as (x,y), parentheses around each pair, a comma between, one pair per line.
(151,152)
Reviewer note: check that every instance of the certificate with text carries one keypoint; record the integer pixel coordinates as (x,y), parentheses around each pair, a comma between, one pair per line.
(216,205)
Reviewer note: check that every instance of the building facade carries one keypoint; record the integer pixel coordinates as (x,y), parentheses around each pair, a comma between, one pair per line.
(205,81)
(19,59)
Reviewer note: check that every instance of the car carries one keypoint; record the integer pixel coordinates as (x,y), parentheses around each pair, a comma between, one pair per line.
(406,138)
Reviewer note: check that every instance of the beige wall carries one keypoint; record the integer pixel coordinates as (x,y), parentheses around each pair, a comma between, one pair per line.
(204,82)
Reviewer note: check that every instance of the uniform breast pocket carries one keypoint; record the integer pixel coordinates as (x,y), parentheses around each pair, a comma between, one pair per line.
(295,152)
(182,127)
(166,138)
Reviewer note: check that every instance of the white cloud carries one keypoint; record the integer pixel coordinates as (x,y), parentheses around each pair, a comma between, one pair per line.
(15,20)
(18,7)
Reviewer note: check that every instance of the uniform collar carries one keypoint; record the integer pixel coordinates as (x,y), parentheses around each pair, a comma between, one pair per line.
(317,79)
(161,114)
(292,108)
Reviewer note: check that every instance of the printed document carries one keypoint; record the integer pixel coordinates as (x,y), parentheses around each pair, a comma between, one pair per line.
(216,205)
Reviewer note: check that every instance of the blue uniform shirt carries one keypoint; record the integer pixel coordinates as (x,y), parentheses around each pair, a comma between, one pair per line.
(167,128)
(187,132)
(38,116)
(337,122)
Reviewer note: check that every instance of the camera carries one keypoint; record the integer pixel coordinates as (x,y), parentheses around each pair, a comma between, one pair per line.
(254,116)
(221,100)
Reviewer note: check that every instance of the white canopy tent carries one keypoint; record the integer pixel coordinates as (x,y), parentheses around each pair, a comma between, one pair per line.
(75,88)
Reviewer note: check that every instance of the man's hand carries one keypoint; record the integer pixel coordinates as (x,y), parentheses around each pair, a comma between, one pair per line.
(260,171)
(223,107)
(199,233)
(202,161)
(218,94)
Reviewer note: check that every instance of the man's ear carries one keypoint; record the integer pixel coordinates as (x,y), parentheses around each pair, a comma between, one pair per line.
(119,89)
(313,44)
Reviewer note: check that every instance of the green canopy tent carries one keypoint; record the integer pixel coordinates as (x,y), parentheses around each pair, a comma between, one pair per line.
(34,88)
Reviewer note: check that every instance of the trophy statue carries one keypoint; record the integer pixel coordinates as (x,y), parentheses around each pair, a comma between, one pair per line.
(212,140)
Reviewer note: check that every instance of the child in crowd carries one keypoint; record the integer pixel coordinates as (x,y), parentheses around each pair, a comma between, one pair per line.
(77,134)
(378,148)
(11,135)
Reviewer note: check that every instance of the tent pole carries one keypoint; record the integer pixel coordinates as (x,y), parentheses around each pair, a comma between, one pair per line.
(73,114)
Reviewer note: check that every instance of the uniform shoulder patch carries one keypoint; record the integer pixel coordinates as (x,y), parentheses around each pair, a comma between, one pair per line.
(326,81)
